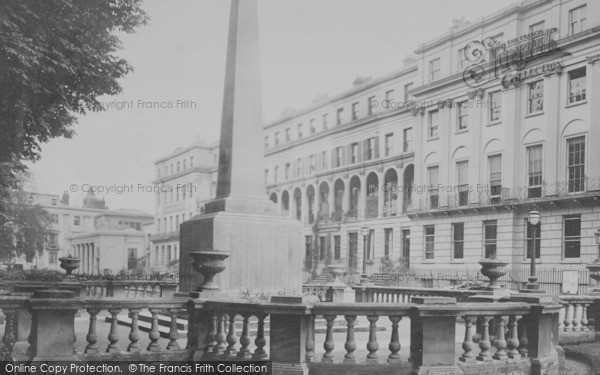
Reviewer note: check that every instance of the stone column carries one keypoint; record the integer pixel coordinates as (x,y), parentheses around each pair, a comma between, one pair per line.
(362,196)
(593,93)
(304,200)
(52,335)
(380,192)
(346,195)
(433,335)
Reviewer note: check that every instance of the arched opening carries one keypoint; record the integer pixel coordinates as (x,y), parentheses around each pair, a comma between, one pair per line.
(371,209)
(338,190)
(310,197)
(354,194)
(273,197)
(324,200)
(409,179)
(390,193)
(285,203)
(298,203)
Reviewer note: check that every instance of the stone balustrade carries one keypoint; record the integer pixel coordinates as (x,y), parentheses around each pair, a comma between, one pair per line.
(575,322)
(508,337)
(397,294)
(129,289)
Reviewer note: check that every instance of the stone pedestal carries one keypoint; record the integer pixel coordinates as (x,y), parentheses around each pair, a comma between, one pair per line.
(53,325)
(265,250)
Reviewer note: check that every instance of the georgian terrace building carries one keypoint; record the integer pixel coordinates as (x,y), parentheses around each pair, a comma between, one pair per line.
(449,179)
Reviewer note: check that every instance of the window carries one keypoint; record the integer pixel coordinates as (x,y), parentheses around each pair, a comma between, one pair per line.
(371,245)
(191,161)
(433,124)
(53,239)
(312,164)
(490,231)
(52,257)
(307,247)
(287,171)
(463,62)
(535,97)
(184,164)
(371,104)
(389,98)
(354,111)
(495,167)
(534,171)
(458,240)
(54,201)
(534,238)
(340,116)
(354,148)
(339,156)
(388,234)
(131,259)
(276,138)
(325,121)
(462,113)
(407,88)
(495,106)
(429,241)
(577,85)
(288,135)
(407,142)
(298,167)
(432,178)
(537,40)
(324,160)
(54,218)
(371,148)
(266,176)
(312,126)
(577,19)
(434,69)
(406,247)
(300,131)
(572,236)
(178,166)
(275,173)
(77,220)
(337,247)
(576,164)
(389,144)
(462,179)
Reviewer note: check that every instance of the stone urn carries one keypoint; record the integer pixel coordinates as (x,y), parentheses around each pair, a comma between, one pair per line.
(493,269)
(336,270)
(594,269)
(69,264)
(208,263)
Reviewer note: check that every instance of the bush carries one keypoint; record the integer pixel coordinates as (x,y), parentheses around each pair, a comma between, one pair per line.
(34,274)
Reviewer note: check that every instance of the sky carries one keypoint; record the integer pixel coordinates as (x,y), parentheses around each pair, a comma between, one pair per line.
(174,95)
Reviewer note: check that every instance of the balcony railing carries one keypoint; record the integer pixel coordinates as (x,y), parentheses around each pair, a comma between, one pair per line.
(484,196)
(165,236)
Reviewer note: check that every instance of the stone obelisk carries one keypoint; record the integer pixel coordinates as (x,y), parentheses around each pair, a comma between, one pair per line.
(265,249)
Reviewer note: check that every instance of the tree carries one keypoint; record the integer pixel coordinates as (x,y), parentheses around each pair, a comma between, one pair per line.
(56,58)
(24,227)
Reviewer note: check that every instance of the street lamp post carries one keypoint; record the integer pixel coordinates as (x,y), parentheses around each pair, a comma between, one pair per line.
(533,286)
(364,231)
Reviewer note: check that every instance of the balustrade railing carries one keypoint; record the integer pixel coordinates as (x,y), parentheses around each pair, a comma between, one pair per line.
(575,323)
(392,294)
(129,289)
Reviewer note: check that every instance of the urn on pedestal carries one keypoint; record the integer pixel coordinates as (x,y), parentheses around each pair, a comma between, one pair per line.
(208,263)
(69,264)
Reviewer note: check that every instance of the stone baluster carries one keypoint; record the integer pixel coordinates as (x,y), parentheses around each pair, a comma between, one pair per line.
(500,342)
(584,318)
(468,345)
(173,334)
(561,318)
(577,318)
(310,338)
(484,343)
(134,334)
(231,337)
(350,345)
(113,336)
(154,334)
(92,336)
(10,335)
(260,341)
(328,345)
(244,352)
(513,337)
(394,346)
(211,336)
(568,318)
(524,341)
(372,345)
(221,335)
